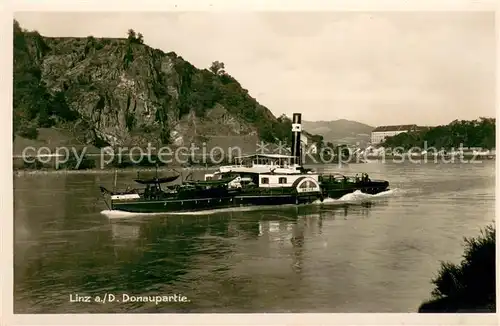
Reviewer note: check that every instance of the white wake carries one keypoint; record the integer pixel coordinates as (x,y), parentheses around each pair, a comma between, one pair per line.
(360,197)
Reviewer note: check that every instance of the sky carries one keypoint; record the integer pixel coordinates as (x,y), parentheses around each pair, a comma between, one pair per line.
(379,68)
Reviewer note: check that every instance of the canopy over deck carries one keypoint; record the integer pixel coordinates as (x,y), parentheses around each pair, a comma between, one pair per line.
(211,182)
(275,156)
(157,180)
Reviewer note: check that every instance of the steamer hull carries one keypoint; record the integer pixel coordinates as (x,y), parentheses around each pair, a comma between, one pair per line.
(221,199)
(210,203)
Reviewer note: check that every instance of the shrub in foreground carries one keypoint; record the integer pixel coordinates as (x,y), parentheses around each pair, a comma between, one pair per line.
(469,286)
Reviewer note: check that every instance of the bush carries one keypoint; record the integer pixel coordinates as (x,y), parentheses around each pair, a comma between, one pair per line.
(72,163)
(470,285)
(35,165)
(124,161)
(29,132)
(135,38)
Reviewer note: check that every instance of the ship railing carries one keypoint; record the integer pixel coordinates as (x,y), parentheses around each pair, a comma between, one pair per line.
(270,190)
(359,177)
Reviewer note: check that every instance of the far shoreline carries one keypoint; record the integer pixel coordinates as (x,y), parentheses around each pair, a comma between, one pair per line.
(23,172)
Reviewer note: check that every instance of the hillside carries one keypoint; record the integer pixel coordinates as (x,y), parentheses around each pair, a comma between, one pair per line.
(340,131)
(121,92)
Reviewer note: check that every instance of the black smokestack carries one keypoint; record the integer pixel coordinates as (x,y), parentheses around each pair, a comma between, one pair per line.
(296,131)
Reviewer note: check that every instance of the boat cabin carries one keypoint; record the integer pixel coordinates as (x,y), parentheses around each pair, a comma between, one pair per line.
(263,171)
(262,163)
(265,160)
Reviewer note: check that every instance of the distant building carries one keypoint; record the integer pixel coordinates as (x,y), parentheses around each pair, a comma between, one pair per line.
(379,134)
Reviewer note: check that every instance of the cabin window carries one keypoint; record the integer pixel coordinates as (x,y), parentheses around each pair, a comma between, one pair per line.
(264,180)
(282,180)
(208,178)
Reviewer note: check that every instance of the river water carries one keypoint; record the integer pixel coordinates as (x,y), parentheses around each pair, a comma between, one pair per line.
(358,254)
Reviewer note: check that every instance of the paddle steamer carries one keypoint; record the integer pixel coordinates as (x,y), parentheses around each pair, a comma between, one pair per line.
(259,179)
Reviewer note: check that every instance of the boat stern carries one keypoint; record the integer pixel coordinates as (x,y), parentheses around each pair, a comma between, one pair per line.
(381,184)
(118,199)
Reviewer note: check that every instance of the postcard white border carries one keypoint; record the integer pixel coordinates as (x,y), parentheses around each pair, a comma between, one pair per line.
(6,198)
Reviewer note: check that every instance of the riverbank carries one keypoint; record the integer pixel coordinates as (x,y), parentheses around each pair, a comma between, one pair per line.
(429,156)
(25,172)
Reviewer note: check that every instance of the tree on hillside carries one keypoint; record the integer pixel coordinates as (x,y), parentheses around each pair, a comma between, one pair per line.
(217,68)
(135,38)
(131,35)
(318,140)
(140,38)
(17,27)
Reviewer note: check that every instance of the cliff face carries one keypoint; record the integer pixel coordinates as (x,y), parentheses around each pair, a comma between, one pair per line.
(122,92)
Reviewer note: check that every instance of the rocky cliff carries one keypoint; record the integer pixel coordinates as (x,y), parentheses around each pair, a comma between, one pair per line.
(123,92)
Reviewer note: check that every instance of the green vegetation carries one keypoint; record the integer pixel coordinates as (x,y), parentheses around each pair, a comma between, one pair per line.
(469,286)
(475,133)
(34,164)
(133,38)
(125,161)
(86,163)
(201,90)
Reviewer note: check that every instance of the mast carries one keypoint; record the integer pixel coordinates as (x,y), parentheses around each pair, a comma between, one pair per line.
(116,176)
(296,143)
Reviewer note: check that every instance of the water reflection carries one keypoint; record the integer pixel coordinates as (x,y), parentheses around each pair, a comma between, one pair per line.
(125,232)
(168,247)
